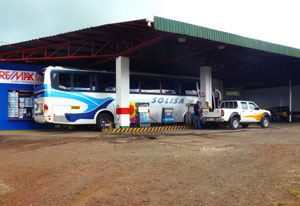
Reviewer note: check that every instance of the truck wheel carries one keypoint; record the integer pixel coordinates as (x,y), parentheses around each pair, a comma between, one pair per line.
(234,123)
(265,122)
(103,121)
(245,125)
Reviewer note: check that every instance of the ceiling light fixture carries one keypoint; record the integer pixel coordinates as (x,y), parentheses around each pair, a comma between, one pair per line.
(221,47)
(181,39)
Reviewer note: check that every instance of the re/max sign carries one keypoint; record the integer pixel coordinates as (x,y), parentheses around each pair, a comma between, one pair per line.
(17,77)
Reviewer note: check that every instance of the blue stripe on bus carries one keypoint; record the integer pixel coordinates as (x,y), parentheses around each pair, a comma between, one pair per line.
(91,102)
(72,117)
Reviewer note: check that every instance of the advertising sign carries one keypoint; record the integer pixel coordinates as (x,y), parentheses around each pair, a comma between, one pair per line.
(233,93)
(19,77)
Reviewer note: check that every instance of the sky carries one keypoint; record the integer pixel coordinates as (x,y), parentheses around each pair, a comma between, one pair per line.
(275,21)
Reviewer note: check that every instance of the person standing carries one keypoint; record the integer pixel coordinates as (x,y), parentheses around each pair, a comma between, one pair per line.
(197,113)
(207,105)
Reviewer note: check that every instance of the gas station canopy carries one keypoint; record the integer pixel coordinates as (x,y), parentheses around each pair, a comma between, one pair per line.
(166,47)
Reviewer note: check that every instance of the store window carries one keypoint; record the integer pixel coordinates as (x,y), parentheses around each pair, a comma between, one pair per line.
(20,104)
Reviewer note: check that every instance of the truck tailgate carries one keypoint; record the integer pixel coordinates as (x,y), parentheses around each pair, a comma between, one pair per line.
(215,113)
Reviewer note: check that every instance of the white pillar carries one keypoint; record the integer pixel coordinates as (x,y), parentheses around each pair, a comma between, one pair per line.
(122,91)
(290,112)
(205,85)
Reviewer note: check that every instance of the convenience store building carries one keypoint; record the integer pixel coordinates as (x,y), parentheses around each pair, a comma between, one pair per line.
(17,82)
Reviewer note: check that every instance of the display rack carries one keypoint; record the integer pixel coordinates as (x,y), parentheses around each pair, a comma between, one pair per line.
(20,104)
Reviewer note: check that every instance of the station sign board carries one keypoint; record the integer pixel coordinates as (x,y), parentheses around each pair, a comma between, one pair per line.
(233,93)
(19,77)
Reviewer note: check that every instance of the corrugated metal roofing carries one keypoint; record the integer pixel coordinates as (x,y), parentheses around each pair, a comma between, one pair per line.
(178,27)
(239,63)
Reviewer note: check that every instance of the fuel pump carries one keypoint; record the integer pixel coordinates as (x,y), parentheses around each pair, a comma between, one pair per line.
(143,116)
(167,116)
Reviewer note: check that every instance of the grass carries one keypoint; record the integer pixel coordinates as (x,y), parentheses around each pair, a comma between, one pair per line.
(281,203)
(296,193)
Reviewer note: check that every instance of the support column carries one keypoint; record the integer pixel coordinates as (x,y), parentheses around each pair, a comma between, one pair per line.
(122,92)
(205,85)
(290,110)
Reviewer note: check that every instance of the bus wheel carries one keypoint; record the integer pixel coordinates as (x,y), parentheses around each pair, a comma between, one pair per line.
(188,119)
(103,121)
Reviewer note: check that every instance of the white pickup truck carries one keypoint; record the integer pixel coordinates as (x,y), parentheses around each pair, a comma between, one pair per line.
(237,113)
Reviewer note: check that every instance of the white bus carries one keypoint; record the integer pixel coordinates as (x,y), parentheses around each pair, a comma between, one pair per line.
(79,97)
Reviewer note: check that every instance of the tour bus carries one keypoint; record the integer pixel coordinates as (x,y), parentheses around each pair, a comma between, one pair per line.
(80,97)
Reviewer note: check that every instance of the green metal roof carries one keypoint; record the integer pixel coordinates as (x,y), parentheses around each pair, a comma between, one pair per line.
(178,27)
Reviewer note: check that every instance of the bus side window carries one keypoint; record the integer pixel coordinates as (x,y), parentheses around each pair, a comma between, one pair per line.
(134,84)
(106,83)
(81,82)
(94,82)
(169,87)
(64,81)
(110,82)
(150,86)
(55,80)
(99,83)
(188,87)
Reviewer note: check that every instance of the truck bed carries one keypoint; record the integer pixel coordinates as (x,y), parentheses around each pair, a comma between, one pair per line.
(215,113)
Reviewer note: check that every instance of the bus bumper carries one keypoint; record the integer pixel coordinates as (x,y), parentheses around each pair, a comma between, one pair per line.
(40,119)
